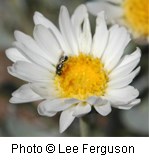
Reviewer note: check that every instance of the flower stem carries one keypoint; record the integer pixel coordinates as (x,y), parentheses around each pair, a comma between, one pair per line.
(84,129)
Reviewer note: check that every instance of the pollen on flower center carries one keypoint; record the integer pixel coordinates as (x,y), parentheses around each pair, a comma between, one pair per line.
(82,76)
(136,16)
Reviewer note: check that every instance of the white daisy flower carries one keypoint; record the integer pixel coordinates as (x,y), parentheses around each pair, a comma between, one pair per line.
(71,70)
(131,13)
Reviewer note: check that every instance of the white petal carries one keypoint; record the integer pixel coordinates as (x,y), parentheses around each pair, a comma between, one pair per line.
(103,109)
(85,37)
(14,55)
(66,119)
(112,11)
(113,37)
(15,100)
(96,100)
(33,57)
(122,96)
(29,43)
(72,101)
(81,109)
(51,107)
(128,63)
(133,56)
(30,48)
(100,38)
(48,42)
(123,81)
(40,19)
(45,89)
(114,101)
(91,100)
(130,105)
(115,1)
(67,30)
(24,94)
(77,19)
(29,71)
(118,40)
(13,72)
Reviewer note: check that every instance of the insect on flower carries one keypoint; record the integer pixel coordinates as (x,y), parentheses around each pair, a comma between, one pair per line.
(61,64)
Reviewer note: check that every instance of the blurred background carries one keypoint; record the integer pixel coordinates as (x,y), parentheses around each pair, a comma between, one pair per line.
(23,119)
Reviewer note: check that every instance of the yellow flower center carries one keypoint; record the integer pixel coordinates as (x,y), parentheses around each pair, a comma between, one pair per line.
(137,15)
(82,76)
